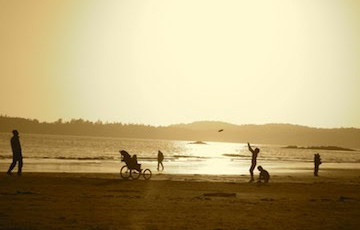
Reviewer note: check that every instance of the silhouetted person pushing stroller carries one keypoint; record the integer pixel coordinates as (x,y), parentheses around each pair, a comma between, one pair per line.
(253,161)
(317,163)
(17,154)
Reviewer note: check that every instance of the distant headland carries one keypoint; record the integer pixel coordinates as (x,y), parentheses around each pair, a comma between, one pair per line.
(278,134)
(198,143)
(320,148)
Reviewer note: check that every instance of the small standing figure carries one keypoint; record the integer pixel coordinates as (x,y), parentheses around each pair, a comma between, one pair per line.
(17,155)
(136,165)
(317,163)
(253,161)
(264,175)
(160,159)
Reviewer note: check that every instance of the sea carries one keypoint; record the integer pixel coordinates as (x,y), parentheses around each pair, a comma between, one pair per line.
(85,154)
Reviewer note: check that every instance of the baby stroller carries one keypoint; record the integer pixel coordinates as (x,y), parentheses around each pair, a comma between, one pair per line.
(132,169)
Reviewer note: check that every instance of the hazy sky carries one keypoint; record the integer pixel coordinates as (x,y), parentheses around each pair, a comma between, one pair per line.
(164,62)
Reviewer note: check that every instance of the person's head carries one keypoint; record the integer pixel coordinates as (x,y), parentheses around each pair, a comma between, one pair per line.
(260,168)
(257,150)
(15,132)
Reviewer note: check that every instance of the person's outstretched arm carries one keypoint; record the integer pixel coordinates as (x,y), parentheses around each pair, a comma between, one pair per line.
(250,149)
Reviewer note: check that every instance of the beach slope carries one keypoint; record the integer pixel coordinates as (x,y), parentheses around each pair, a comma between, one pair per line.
(87,201)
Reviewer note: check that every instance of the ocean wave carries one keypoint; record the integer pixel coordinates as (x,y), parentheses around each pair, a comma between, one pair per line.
(6,157)
(63,158)
(193,157)
(78,158)
(83,158)
(235,155)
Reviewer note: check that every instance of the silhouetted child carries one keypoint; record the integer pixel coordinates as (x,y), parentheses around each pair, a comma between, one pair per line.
(160,159)
(253,161)
(264,175)
(17,154)
(135,163)
(317,163)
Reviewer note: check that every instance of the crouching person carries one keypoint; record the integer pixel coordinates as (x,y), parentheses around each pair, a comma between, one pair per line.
(264,175)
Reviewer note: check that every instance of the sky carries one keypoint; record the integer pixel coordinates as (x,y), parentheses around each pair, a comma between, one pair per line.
(165,62)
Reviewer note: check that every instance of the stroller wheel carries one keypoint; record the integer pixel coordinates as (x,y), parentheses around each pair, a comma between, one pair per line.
(134,174)
(147,174)
(125,172)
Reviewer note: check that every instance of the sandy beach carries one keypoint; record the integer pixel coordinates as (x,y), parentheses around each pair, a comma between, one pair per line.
(103,201)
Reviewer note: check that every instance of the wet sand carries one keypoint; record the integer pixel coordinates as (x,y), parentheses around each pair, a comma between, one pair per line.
(103,201)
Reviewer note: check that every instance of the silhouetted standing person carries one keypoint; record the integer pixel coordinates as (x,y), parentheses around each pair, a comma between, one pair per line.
(264,175)
(160,159)
(317,163)
(17,155)
(253,161)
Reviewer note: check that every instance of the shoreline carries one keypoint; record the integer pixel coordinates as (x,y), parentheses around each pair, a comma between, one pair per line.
(341,176)
(204,168)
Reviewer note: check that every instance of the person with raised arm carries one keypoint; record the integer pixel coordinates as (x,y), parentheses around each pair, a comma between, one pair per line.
(253,160)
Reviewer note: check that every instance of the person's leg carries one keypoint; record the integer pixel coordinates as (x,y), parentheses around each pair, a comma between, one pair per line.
(12,165)
(252,172)
(316,169)
(158,166)
(20,165)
